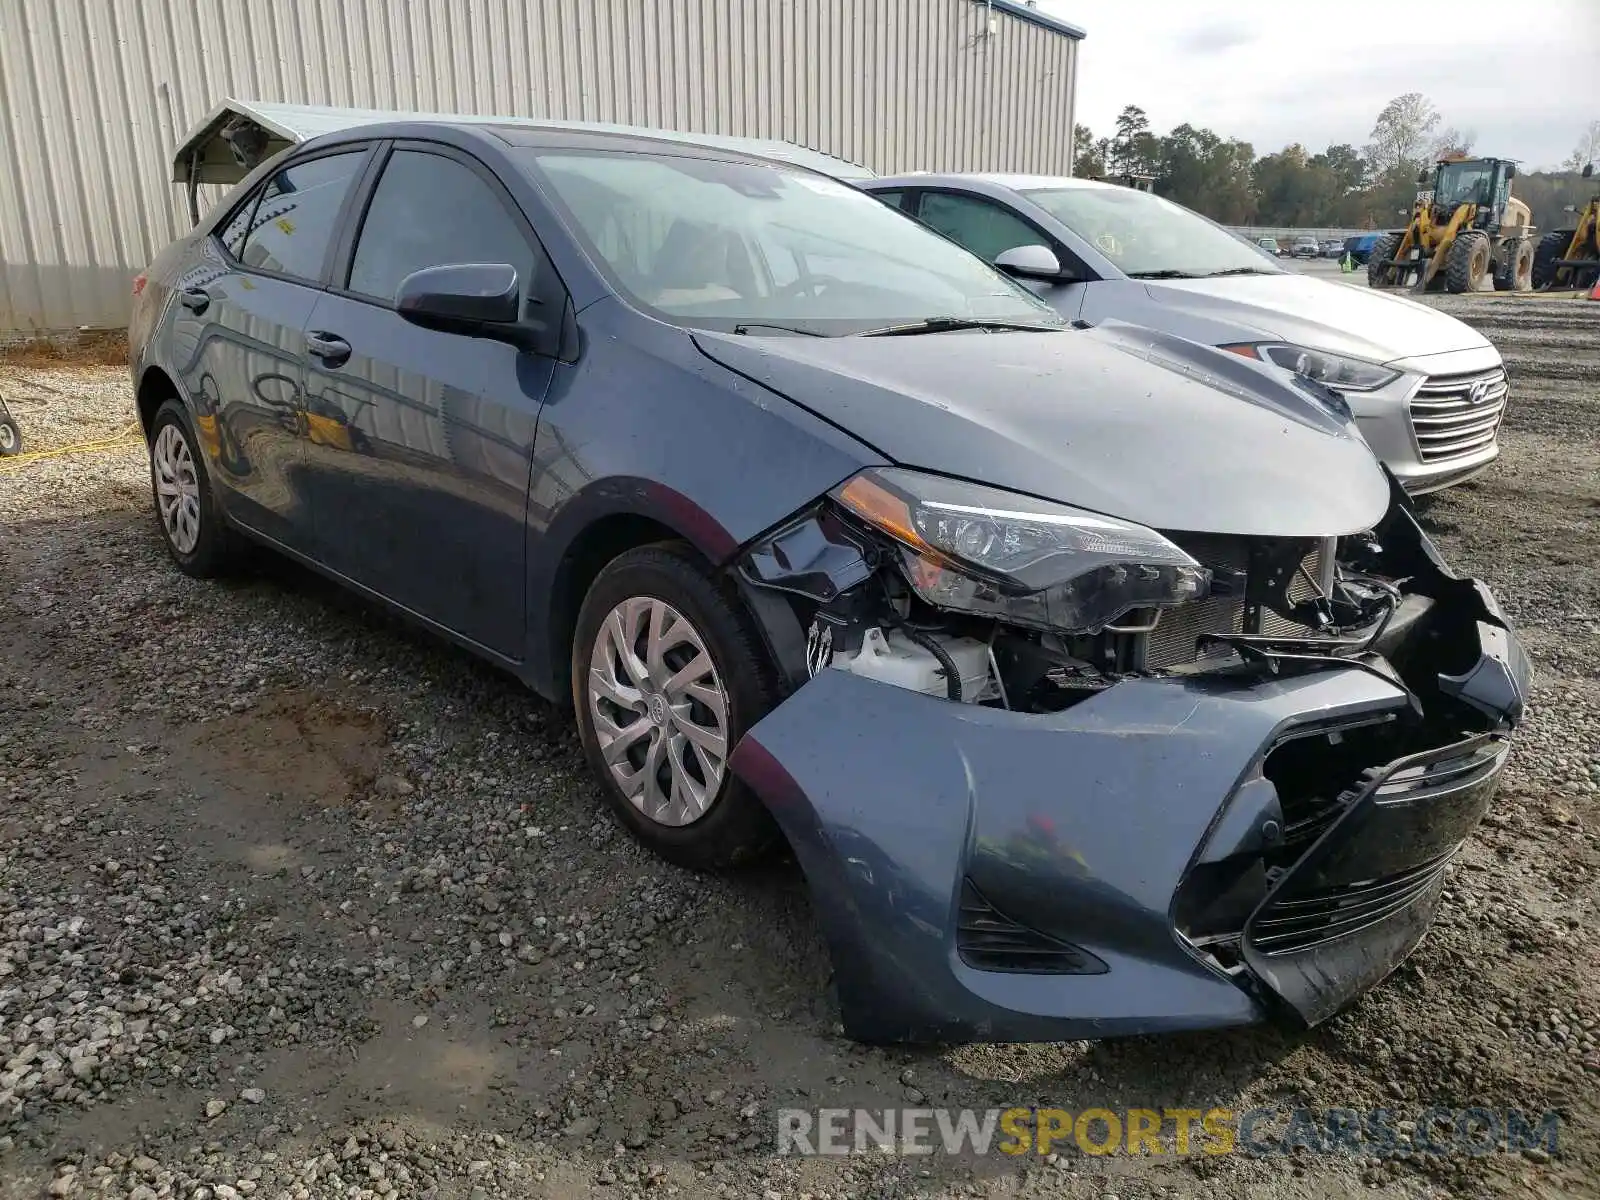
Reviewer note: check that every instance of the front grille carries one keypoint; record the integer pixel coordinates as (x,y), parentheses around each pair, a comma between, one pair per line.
(1307,917)
(991,941)
(1289,926)
(1174,640)
(1453,416)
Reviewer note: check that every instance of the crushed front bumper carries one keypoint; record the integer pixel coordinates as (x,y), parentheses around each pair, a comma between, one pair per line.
(988,875)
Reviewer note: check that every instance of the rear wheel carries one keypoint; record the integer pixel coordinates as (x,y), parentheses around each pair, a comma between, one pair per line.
(1552,247)
(1513,268)
(1383,251)
(667,675)
(1467,262)
(10,438)
(196,534)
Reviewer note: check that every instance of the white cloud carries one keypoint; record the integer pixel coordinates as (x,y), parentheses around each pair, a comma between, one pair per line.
(1271,73)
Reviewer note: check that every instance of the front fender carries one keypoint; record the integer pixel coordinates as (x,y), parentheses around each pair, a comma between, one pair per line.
(645,426)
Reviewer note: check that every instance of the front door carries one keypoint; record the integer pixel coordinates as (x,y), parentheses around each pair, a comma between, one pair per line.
(419,443)
(989,229)
(242,309)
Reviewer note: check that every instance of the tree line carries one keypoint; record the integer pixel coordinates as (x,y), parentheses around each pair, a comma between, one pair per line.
(1345,186)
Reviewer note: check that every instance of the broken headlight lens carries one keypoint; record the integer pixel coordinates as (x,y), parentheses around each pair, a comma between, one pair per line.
(1335,370)
(1023,561)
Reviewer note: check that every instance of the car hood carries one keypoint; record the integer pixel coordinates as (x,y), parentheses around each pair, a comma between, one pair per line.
(1118,419)
(1336,317)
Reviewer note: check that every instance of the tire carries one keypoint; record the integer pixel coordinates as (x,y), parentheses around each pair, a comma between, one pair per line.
(10,438)
(1382,252)
(1552,247)
(196,534)
(1467,262)
(1513,266)
(725,825)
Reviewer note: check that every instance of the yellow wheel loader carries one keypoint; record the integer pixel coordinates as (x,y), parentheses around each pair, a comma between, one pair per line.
(1465,227)
(1570,258)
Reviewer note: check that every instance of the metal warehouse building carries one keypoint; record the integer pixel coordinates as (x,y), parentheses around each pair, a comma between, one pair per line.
(95,95)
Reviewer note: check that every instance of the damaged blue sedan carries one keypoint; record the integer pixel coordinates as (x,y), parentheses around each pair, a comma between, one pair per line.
(1101,682)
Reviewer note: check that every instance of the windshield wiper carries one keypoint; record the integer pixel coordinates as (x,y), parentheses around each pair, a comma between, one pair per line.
(948,324)
(747,326)
(1237,271)
(1165,273)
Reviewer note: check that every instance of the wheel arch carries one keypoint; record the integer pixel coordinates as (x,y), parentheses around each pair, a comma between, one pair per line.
(155,388)
(591,530)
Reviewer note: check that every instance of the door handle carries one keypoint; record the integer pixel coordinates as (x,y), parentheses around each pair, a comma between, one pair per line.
(196,300)
(332,349)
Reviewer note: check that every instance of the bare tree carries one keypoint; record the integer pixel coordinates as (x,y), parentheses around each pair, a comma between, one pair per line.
(1403,133)
(1588,149)
(1454,141)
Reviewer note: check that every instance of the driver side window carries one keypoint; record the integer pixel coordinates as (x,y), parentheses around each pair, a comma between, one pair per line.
(982,226)
(431,211)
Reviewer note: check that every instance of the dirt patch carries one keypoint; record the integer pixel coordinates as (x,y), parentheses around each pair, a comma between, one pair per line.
(299,746)
(102,348)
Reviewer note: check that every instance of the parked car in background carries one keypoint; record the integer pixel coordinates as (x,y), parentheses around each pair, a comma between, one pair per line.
(1305,246)
(1270,245)
(638,422)
(1427,391)
(1333,248)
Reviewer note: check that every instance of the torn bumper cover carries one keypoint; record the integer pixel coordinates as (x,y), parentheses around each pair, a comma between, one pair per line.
(1162,856)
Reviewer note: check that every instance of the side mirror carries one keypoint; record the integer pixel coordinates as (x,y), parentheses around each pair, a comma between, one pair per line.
(1588,171)
(477,299)
(1511,171)
(1423,176)
(1031,262)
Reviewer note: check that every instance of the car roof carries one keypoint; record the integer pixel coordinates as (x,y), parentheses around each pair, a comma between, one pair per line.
(207,155)
(999,179)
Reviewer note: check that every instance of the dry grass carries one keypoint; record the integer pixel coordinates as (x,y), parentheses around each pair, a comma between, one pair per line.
(106,348)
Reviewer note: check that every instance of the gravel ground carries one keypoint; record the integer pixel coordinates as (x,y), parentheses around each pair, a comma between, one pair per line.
(296,902)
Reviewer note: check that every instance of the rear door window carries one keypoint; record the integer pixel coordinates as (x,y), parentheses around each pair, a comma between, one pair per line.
(233,233)
(299,209)
(433,211)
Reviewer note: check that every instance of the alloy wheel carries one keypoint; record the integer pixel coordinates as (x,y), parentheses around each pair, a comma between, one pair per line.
(660,711)
(177,488)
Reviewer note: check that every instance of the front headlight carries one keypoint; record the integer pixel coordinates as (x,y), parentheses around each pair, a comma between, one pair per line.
(1337,371)
(1024,561)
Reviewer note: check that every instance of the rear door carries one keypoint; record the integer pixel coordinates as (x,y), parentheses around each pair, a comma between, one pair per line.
(239,336)
(420,443)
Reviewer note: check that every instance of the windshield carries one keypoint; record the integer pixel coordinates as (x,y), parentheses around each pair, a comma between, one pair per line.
(1146,235)
(773,249)
(1464,183)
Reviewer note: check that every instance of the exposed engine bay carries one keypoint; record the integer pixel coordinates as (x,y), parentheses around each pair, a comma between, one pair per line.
(880,599)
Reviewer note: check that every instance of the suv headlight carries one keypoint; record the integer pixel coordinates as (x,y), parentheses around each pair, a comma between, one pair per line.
(1028,562)
(1337,371)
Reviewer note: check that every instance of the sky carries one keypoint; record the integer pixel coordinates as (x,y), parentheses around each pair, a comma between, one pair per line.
(1522,76)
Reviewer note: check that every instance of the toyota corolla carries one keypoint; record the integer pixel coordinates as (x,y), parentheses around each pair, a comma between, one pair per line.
(1101,682)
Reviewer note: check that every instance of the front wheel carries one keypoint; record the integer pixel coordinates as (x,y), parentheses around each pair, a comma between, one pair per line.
(1467,262)
(1552,247)
(10,437)
(667,675)
(1379,272)
(196,534)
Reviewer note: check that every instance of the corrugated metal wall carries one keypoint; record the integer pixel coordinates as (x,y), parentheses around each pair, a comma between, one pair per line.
(94,95)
